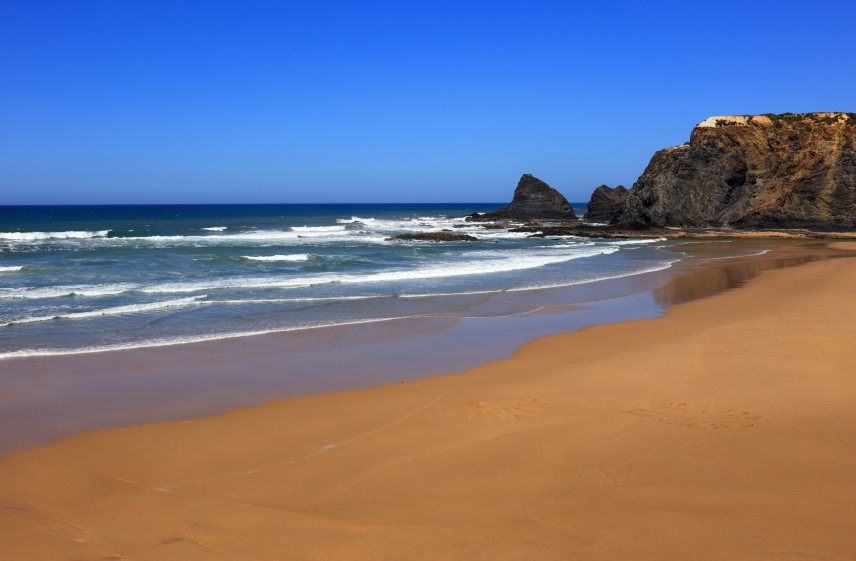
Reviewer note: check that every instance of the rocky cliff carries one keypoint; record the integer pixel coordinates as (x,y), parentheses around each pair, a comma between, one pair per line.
(764,171)
(606,204)
(533,200)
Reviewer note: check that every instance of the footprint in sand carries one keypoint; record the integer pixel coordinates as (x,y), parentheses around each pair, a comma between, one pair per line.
(674,406)
(504,410)
(666,417)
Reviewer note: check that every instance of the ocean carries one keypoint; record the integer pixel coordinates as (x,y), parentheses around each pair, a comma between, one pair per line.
(77,279)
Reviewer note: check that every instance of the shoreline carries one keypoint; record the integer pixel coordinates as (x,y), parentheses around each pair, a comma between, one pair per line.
(729,416)
(45,398)
(44,353)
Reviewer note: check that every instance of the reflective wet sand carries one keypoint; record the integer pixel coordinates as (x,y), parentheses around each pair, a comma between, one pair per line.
(717,278)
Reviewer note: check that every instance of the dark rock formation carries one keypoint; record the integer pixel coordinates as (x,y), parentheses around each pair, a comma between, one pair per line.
(766,171)
(533,200)
(435,237)
(606,204)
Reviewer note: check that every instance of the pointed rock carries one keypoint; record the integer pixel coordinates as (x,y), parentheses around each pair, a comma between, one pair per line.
(533,200)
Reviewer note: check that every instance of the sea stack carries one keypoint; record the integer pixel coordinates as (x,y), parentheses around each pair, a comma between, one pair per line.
(606,204)
(533,200)
(761,171)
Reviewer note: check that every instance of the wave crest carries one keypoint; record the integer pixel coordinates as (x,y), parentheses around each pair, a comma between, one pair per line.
(355,219)
(117,310)
(294,257)
(317,228)
(90,290)
(31,236)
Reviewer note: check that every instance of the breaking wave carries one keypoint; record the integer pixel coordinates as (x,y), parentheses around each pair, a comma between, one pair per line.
(30,292)
(117,310)
(521,260)
(354,220)
(491,263)
(33,236)
(196,300)
(295,257)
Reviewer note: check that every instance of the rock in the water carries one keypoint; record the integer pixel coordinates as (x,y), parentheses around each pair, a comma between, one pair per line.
(533,200)
(606,204)
(765,171)
(435,237)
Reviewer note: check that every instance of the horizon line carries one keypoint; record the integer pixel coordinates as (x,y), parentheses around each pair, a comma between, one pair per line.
(257,204)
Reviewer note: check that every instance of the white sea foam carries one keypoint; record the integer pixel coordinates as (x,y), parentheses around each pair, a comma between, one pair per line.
(34,236)
(306,299)
(355,219)
(514,260)
(355,229)
(165,341)
(296,235)
(632,242)
(656,266)
(485,263)
(659,266)
(294,257)
(10,269)
(29,292)
(117,310)
(318,229)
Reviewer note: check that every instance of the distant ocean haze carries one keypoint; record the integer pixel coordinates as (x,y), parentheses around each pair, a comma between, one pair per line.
(89,278)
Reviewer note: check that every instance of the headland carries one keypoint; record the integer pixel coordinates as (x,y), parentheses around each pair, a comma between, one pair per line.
(788,175)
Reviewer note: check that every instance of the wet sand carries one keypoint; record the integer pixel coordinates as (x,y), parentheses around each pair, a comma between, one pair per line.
(722,430)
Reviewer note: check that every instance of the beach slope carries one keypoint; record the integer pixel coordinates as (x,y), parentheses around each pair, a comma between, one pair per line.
(723,430)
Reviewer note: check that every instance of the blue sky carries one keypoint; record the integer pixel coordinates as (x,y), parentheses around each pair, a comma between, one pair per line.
(278,102)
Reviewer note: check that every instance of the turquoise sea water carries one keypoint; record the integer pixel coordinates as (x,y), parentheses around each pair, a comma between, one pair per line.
(87,278)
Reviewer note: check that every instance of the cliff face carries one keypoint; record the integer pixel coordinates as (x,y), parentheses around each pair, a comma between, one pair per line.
(606,204)
(533,200)
(767,171)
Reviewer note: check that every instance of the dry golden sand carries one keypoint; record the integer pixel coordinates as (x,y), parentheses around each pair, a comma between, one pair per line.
(724,430)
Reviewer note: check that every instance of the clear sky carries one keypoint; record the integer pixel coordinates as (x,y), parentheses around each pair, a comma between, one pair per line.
(300,102)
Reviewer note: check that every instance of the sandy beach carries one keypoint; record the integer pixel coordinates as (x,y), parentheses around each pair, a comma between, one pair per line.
(722,430)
